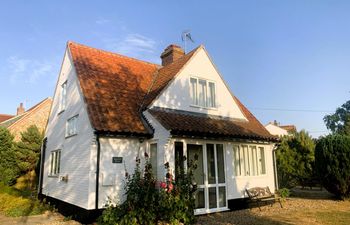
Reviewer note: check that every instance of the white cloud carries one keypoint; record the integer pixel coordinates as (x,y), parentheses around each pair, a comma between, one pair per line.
(134,45)
(27,70)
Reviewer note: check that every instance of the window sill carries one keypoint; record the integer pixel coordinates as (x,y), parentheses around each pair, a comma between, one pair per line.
(60,112)
(203,107)
(53,176)
(72,135)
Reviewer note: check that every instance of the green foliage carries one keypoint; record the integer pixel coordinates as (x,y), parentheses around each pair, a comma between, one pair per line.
(339,122)
(332,160)
(146,203)
(8,165)
(16,203)
(295,159)
(28,149)
(284,192)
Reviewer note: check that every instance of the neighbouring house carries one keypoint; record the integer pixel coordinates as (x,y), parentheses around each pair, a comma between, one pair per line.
(36,115)
(109,109)
(280,130)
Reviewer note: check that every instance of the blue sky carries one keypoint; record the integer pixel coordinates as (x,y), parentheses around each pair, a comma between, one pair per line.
(282,59)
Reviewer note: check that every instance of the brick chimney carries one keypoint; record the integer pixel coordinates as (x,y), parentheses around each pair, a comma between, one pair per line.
(20,109)
(171,54)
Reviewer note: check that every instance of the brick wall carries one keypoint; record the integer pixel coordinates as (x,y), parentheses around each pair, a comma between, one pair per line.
(37,116)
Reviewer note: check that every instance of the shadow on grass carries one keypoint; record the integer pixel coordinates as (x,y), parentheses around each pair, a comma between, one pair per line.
(239,217)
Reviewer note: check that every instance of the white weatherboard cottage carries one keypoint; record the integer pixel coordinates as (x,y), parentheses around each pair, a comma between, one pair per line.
(108,109)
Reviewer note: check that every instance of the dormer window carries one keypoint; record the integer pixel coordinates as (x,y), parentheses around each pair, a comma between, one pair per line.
(203,93)
(63,99)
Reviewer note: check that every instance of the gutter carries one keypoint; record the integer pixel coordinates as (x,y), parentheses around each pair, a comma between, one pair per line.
(275,166)
(97,169)
(42,161)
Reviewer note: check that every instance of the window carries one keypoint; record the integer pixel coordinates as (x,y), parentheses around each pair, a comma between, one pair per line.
(55,159)
(153,157)
(71,127)
(202,93)
(249,160)
(63,99)
(179,160)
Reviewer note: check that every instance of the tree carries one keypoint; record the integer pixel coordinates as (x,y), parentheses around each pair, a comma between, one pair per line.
(8,168)
(28,149)
(332,160)
(339,122)
(295,159)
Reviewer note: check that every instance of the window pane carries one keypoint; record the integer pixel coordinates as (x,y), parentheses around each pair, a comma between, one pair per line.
(58,153)
(153,153)
(212,198)
(179,160)
(253,160)
(193,88)
(237,161)
(211,164)
(211,96)
(63,95)
(222,196)
(262,161)
(196,151)
(220,163)
(202,91)
(199,198)
(52,156)
(246,160)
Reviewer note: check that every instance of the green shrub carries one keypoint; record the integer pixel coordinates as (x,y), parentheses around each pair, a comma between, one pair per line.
(150,202)
(332,158)
(283,192)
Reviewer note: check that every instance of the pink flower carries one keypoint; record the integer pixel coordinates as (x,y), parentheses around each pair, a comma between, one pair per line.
(163,185)
(170,187)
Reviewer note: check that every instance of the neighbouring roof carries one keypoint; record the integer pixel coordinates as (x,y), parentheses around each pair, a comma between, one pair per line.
(289,128)
(4,117)
(14,119)
(116,87)
(201,125)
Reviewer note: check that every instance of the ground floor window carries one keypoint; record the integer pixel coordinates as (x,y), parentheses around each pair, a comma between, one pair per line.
(153,157)
(55,161)
(249,160)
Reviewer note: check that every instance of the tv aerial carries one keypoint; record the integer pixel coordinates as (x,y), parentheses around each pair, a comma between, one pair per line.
(186,36)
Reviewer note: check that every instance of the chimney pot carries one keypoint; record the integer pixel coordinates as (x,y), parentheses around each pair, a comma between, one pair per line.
(171,54)
(20,109)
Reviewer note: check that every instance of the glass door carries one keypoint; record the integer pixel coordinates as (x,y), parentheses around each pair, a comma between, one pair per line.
(209,176)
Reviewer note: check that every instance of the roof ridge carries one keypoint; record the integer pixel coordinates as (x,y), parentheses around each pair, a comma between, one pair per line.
(111,53)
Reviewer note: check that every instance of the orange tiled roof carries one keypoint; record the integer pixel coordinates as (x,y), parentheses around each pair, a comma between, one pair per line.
(289,128)
(115,87)
(201,125)
(4,117)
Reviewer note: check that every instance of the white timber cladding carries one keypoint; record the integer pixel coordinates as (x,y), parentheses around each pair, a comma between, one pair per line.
(112,174)
(178,94)
(76,161)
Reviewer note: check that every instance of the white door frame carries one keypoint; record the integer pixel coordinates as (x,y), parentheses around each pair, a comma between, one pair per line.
(206,185)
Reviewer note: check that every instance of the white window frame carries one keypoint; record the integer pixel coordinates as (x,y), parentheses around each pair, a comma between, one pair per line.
(55,163)
(72,131)
(248,160)
(63,97)
(154,167)
(195,94)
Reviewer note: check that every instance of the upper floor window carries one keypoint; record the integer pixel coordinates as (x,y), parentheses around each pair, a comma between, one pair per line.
(249,160)
(153,156)
(55,161)
(71,127)
(203,93)
(63,98)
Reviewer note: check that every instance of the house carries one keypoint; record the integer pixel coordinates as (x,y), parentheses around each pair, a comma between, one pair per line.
(109,109)
(280,130)
(36,115)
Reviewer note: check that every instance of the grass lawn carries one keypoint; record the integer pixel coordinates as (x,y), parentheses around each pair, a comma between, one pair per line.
(14,202)
(295,211)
